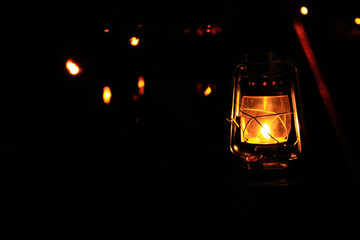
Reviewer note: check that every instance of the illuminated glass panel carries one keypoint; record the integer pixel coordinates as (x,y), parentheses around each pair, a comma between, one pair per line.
(265,119)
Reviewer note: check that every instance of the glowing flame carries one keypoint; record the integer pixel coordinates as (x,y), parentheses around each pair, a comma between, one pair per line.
(106,30)
(304,10)
(265,131)
(72,67)
(134,41)
(207,91)
(107,95)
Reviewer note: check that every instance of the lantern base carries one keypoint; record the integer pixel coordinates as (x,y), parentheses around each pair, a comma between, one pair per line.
(277,176)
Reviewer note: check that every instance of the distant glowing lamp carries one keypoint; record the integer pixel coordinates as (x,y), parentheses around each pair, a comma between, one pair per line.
(134,41)
(72,67)
(357,21)
(304,10)
(141,85)
(207,91)
(107,94)
(141,82)
(265,127)
(208,29)
(106,30)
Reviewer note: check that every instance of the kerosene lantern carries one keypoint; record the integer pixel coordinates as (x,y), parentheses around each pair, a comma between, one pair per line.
(265,134)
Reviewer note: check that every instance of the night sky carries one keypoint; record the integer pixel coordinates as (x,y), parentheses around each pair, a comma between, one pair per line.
(155,163)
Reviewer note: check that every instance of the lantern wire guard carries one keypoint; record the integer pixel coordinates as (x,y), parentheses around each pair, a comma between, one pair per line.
(264,128)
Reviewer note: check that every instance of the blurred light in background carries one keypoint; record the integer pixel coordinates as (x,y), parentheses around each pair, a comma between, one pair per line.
(134,41)
(304,10)
(141,85)
(72,67)
(208,29)
(216,29)
(199,87)
(207,91)
(135,97)
(187,31)
(106,30)
(357,21)
(107,94)
(200,31)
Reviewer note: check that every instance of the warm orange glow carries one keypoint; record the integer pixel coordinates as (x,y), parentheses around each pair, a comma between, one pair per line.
(72,67)
(141,82)
(236,148)
(107,95)
(357,21)
(265,131)
(207,91)
(304,10)
(134,41)
(141,85)
(106,30)
(265,119)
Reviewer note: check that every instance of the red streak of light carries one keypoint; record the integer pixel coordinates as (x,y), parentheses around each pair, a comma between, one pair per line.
(309,52)
(325,94)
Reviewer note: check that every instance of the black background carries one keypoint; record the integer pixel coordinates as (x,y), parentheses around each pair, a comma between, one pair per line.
(160,167)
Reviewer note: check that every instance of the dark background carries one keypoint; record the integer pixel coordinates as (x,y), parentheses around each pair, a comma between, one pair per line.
(160,167)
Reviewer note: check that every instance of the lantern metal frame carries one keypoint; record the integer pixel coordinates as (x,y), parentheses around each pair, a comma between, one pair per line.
(263,76)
